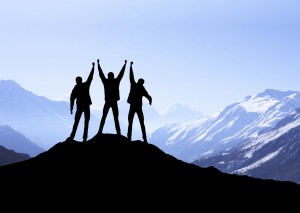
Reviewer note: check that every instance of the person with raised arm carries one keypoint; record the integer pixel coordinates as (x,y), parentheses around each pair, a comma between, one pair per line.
(136,94)
(112,96)
(81,93)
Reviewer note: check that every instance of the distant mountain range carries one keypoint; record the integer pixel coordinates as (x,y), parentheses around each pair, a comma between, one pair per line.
(8,156)
(256,136)
(175,113)
(273,154)
(110,168)
(43,121)
(11,139)
(39,119)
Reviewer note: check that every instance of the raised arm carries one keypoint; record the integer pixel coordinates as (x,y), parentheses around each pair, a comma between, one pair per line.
(120,76)
(90,78)
(131,76)
(101,74)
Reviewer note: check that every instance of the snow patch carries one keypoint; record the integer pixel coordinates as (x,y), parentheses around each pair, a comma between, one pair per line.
(258,163)
(258,104)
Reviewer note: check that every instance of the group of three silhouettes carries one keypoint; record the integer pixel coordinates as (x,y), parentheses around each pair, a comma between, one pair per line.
(81,93)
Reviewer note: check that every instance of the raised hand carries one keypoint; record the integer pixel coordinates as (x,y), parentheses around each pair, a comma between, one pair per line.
(131,63)
(125,61)
(93,64)
(98,61)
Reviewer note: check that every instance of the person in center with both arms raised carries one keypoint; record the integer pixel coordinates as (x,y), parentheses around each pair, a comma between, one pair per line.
(112,96)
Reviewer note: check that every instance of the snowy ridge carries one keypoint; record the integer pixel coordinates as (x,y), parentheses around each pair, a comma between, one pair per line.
(258,163)
(274,154)
(234,124)
(258,143)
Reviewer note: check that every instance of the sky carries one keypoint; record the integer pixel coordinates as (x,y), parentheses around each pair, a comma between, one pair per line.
(205,54)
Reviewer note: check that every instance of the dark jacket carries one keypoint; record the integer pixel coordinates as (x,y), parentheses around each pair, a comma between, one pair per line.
(111,86)
(81,92)
(137,91)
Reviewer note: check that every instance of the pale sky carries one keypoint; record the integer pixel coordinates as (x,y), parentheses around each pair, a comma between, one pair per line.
(205,54)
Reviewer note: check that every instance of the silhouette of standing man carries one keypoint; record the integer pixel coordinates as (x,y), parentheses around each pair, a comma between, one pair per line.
(81,92)
(137,92)
(112,95)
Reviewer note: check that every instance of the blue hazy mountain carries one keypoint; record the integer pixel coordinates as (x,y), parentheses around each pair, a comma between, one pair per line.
(39,119)
(175,113)
(274,154)
(13,140)
(8,156)
(234,124)
(257,136)
(44,121)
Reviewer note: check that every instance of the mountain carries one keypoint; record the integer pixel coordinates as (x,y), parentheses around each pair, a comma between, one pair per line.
(9,156)
(11,139)
(235,124)
(177,113)
(108,170)
(151,116)
(26,113)
(275,154)
(39,119)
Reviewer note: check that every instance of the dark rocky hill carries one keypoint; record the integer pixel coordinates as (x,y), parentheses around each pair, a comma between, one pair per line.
(111,171)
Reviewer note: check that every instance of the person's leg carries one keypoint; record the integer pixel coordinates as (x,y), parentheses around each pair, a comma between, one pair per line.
(104,114)
(130,121)
(86,123)
(76,122)
(116,117)
(141,119)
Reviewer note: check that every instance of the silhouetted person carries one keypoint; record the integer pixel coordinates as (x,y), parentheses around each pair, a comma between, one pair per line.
(81,93)
(137,92)
(112,96)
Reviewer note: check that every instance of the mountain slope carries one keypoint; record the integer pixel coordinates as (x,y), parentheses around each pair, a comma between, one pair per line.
(233,125)
(9,156)
(121,170)
(274,154)
(39,119)
(177,113)
(11,139)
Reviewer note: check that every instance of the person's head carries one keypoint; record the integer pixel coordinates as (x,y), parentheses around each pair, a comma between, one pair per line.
(78,80)
(110,75)
(141,82)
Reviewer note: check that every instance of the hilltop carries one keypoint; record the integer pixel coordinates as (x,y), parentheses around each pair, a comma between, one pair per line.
(116,169)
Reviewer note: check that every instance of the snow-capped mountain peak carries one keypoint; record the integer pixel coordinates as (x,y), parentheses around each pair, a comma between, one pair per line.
(258,104)
(235,123)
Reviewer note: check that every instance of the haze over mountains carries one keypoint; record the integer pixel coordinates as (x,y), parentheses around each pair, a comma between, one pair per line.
(13,140)
(41,120)
(8,156)
(175,113)
(257,136)
(44,122)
